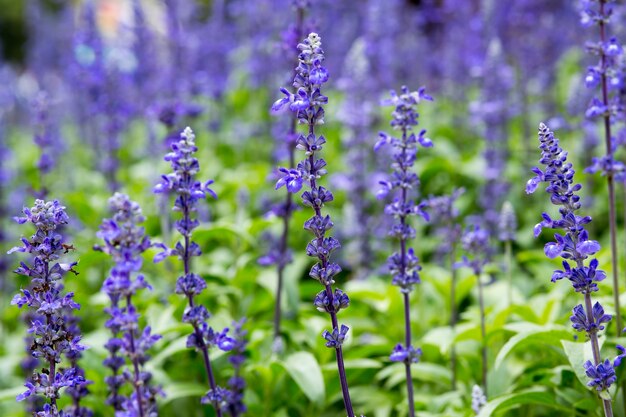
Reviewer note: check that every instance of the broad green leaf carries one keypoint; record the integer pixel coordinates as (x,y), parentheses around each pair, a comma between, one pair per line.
(551,335)
(533,396)
(306,372)
(577,354)
(11,393)
(177,390)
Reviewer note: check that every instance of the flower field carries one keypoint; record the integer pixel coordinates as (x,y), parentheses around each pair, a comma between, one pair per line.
(285,208)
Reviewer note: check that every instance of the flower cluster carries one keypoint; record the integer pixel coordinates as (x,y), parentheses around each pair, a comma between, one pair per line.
(404,265)
(47,137)
(236,383)
(125,241)
(182,183)
(307,104)
(575,247)
(53,338)
(475,242)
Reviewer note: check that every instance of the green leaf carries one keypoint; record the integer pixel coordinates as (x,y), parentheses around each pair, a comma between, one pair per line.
(177,390)
(577,354)
(306,372)
(532,396)
(549,335)
(11,393)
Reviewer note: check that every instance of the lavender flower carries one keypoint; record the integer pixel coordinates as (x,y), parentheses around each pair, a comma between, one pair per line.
(403,265)
(475,242)
(478,399)
(125,241)
(104,109)
(495,113)
(47,138)
(575,247)
(605,74)
(182,183)
(357,114)
(53,339)
(307,103)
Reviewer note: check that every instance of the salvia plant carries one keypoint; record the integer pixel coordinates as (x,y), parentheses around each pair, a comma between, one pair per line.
(403,265)
(189,191)
(605,75)
(308,105)
(53,337)
(95,92)
(575,248)
(476,244)
(125,241)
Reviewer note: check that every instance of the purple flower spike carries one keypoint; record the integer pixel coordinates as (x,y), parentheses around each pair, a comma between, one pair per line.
(125,241)
(403,265)
(53,326)
(182,183)
(575,248)
(307,105)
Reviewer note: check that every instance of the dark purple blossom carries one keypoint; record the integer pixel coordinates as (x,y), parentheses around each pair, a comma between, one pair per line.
(125,241)
(403,265)
(310,75)
(54,336)
(189,191)
(575,247)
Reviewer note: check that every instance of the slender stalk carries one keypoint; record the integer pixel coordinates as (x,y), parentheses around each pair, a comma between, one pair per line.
(51,359)
(483,334)
(199,337)
(609,175)
(508,254)
(403,267)
(138,383)
(347,402)
(453,314)
(407,364)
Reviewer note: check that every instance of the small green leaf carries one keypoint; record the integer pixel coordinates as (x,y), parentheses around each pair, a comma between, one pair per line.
(306,372)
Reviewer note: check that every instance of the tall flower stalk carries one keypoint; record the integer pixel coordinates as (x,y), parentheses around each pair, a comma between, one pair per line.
(307,103)
(444,218)
(403,264)
(188,191)
(507,225)
(125,241)
(475,242)
(280,255)
(598,12)
(575,248)
(52,337)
